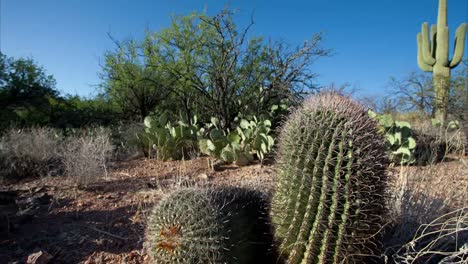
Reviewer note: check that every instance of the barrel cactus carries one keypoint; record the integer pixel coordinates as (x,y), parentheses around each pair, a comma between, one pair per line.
(226,225)
(330,200)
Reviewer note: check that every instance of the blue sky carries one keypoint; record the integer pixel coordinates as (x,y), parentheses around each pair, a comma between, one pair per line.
(372,40)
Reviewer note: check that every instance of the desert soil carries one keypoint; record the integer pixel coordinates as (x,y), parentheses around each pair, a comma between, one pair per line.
(104,222)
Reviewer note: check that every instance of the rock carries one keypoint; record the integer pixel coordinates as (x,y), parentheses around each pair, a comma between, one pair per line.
(203,177)
(40,257)
(38,189)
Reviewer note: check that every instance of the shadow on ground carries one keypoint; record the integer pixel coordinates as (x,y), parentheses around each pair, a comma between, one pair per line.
(74,235)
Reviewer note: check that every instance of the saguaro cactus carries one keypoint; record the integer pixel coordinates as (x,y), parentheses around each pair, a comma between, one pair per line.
(329,204)
(433,56)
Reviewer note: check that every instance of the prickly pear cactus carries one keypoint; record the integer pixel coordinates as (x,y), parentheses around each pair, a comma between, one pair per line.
(330,198)
(226,225)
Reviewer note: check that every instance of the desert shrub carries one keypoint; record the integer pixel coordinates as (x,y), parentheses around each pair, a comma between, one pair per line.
(422,141)
(124,140)
(424,198)
(30,152)
(443,240)
(85,154)
(81,154)
(430,147)
(224,145)
(435,141)
(451,133)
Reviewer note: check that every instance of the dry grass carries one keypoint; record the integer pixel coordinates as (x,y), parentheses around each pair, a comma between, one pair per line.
(45,151)
(453,140)
(85,156)
(30,152)
(125,141)
(444,240)
(429,207)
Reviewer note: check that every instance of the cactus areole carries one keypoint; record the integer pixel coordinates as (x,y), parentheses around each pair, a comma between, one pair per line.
(433,56)
(329,204)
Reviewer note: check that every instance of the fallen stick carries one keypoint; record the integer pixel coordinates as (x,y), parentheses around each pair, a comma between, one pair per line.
(106,233)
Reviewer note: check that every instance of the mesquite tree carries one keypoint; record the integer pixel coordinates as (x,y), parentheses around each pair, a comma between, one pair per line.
(213,69)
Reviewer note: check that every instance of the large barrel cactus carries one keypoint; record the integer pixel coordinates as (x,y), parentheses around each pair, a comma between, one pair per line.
(226,225)
(330,199)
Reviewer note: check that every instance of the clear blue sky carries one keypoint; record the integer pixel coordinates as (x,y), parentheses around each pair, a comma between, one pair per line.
(372,39)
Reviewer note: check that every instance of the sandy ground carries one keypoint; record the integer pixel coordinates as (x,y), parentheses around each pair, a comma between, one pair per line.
(104,222)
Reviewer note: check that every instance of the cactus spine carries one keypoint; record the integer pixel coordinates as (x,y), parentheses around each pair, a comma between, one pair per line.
(226,225)
(433,56)
(330,198)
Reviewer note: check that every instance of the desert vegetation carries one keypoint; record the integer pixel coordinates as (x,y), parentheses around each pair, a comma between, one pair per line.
(207,144)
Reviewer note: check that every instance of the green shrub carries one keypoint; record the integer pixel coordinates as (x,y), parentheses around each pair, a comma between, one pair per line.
(227,225)
(330,201)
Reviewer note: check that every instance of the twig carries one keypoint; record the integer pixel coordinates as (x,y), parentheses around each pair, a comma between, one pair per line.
(106,233)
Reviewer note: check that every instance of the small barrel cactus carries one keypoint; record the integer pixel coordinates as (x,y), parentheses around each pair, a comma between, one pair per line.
(330,200)
(225,225)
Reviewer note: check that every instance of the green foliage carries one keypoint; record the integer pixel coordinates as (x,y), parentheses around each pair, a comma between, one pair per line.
(398,138)
(134,86)
(330,202)
(75,112)
(25,91)
(28,97)
(210,67)
(226,225)
(167,140)
(278,111)
(453,124)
